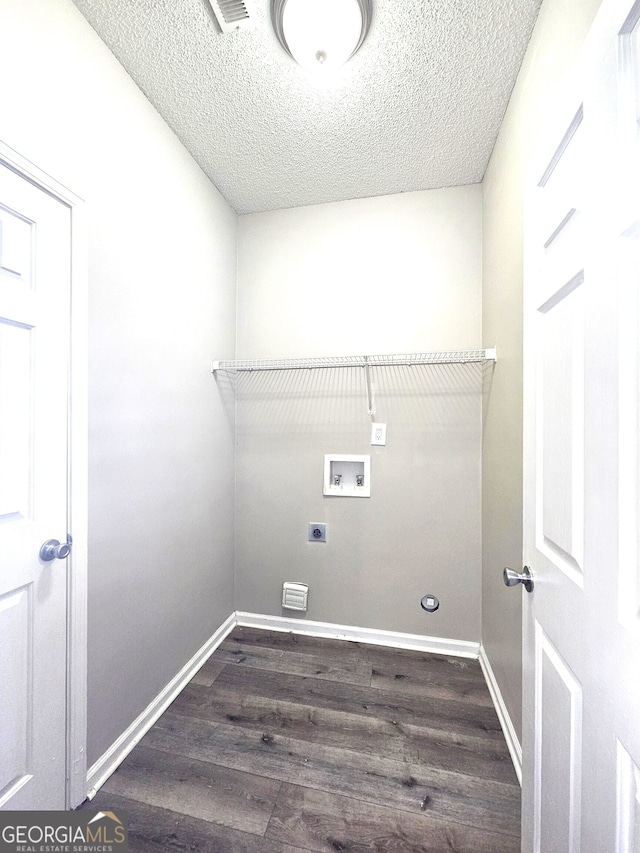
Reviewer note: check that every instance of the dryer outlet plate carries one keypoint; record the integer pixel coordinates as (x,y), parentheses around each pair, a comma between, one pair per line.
(317,532)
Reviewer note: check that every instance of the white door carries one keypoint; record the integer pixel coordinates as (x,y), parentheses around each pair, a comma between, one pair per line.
(581,734)
(34,368)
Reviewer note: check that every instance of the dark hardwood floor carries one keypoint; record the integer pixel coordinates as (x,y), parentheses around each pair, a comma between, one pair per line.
(284,743)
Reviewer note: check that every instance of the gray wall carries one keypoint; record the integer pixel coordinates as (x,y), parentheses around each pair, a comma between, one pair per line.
(383,275)
(560,30)
(161,303)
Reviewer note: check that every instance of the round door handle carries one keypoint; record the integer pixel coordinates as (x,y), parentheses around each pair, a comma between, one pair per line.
(53,550)
(512,578)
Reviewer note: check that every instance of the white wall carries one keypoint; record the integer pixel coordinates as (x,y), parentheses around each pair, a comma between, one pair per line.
(392,274)
(381,275)
(558,35)
(161,304)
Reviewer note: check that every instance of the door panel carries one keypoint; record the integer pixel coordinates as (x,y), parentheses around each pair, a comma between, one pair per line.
(561,386)
(34,368)
(18,671)
(557,293)
(629,379)
(16,421)
(558,751)
(627,803)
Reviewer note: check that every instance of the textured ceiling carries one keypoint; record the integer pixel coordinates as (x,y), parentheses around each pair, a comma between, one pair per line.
(418,107)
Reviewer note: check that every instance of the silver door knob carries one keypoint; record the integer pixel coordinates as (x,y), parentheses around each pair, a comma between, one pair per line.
(53,550)
(525,577)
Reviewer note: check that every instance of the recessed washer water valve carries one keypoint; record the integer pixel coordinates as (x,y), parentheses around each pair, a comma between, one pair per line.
(347,475)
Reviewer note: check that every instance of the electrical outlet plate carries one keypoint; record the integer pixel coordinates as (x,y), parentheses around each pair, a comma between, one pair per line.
(378,434)
(317,531)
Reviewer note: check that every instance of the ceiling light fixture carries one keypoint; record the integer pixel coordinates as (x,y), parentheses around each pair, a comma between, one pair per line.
(321,34)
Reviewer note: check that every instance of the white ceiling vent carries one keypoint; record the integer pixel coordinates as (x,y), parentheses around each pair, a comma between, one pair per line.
(232,14)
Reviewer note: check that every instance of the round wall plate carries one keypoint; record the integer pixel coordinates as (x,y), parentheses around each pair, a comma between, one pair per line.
(429,603)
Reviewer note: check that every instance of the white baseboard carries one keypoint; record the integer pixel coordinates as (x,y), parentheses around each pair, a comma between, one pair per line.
(417,642)
(513,744)
(100,771)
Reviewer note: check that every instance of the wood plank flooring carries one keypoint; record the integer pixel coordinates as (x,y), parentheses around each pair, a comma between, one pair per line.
(284,743)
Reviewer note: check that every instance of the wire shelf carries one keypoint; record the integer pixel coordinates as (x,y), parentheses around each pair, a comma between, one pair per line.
(447,357)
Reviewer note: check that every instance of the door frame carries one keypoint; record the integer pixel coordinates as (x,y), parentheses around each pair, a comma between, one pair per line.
(77,475)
